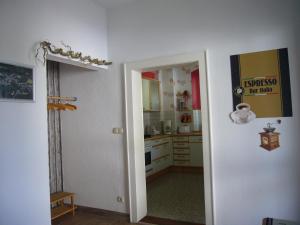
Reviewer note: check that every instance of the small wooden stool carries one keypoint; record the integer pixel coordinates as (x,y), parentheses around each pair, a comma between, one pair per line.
(62,208)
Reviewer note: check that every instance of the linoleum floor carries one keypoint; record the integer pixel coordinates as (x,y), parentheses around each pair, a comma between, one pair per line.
(177,196)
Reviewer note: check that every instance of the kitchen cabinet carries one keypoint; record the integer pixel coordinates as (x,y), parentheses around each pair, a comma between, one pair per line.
(195,143)
(151,95)
(161,154)
(181,151)
(177,139)
(187,151)
(178,150)
(161,163)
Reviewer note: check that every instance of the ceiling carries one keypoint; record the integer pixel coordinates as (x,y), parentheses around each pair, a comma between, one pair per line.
(113,3)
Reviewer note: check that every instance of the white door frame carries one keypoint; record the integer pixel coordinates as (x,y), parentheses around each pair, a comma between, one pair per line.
(135,132)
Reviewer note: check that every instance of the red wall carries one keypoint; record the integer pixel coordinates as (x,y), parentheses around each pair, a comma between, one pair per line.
(196,103)
(150,74)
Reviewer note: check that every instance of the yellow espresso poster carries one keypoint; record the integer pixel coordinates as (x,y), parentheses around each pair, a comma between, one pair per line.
(262,80)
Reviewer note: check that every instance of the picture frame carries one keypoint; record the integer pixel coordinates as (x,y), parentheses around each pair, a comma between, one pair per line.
(17,82)
(262,80)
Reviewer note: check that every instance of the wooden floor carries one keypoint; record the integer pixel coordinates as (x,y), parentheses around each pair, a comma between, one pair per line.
(89,216)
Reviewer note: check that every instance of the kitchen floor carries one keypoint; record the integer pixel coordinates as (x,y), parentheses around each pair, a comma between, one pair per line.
(177,196)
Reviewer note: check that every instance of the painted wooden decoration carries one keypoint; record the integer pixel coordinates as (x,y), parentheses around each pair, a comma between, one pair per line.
(269,140)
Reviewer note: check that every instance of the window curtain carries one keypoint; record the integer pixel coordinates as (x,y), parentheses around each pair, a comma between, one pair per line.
(54,131)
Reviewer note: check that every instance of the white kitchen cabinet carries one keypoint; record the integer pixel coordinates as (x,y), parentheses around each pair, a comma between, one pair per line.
(168,161)
(181,163)
(161,153)
(146,94)
(181,145)
(181,157)
(196,154)
(180,139)
(195,143)
(195,139)
(181,150)
(161,163)
(188,151)
(151,95)
(157,165)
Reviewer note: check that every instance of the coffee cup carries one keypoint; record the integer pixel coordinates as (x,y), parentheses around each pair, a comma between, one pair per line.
(243,111)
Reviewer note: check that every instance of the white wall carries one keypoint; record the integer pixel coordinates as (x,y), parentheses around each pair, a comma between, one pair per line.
(24,187)
(249,182)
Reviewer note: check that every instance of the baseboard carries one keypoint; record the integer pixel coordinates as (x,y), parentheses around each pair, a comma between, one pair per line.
(99,211)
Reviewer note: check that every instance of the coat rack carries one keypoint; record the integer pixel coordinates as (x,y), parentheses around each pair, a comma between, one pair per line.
(59,103)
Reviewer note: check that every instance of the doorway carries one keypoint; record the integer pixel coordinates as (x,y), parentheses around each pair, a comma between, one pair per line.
(135,131)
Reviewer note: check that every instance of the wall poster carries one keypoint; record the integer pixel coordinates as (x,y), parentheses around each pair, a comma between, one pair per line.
(262,80)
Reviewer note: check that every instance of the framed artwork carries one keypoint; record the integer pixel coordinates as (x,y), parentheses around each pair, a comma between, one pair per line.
(16,82)
(262,80)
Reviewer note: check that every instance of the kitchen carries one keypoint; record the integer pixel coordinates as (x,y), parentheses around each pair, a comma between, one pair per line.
(173,143)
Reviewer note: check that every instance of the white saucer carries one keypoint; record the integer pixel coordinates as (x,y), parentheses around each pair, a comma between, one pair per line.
(236,117)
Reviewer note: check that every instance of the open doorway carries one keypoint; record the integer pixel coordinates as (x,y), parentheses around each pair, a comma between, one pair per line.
(173,145)
(135,130)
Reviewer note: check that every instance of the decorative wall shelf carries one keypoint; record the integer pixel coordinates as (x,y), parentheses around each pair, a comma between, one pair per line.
(73,62)
(66,55)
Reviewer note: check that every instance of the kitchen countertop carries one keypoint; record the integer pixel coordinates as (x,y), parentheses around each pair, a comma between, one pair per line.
(196,133)
(159,136)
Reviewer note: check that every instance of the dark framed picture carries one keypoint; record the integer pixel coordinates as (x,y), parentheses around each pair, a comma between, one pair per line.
(16,82)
